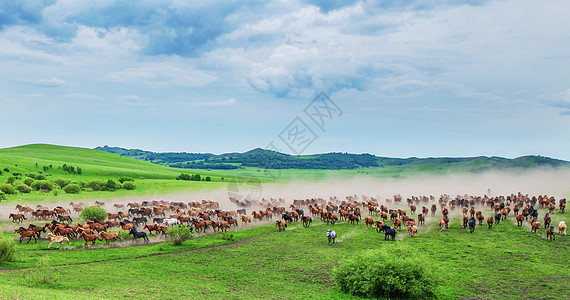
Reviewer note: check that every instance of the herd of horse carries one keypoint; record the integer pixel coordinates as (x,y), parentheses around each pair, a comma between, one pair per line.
(201,216)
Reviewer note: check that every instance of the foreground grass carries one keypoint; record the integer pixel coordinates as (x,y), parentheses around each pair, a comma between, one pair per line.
(503,263)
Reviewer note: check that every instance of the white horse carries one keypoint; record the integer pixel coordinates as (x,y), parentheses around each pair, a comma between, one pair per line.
(56,239)
(562,228)
(170,222)
(331,235)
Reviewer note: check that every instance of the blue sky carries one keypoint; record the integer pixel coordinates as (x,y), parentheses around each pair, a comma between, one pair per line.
(411,78)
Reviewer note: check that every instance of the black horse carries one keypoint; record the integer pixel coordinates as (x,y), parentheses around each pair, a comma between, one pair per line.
(465,222)
(472,223)
(140,220)
(388,231)
(498,218)
(138,234)
(300,212)
(287,217)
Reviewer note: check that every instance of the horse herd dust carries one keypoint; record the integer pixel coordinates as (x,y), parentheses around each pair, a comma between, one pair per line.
(396,204)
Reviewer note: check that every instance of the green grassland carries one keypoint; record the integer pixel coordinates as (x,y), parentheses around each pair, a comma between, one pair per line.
(150,179)
(506,262)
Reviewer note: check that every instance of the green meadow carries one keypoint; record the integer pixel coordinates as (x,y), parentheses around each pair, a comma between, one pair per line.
(506,262)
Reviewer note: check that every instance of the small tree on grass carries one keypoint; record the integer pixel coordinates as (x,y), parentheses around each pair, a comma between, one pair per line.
(389,272)
(2,196)
(7,250)
(179,234)
(94,213)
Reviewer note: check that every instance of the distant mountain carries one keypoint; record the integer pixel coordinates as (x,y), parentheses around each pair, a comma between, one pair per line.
(267,159)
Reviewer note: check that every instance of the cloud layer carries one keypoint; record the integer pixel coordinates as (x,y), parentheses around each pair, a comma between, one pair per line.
(413,65)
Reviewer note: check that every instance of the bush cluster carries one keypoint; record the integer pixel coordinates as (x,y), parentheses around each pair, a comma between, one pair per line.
(42,185)
(129,185)
(22,188)
(389,272)
(72,188)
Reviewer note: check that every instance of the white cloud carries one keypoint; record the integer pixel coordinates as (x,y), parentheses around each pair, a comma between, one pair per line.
(163,73)
(223,103)
(52,82)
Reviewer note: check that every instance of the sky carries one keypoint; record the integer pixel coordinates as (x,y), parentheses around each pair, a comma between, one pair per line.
(413,78)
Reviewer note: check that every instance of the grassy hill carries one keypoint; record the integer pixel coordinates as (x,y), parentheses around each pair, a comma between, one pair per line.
(49,160)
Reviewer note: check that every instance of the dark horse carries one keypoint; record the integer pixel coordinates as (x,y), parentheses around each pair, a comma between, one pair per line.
(138,235)
(472,223)
(388,231)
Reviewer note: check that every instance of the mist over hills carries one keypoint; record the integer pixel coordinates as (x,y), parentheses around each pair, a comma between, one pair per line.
(267,159)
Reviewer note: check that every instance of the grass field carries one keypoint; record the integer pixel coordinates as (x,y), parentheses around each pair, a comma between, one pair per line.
(506,262)
(151,179)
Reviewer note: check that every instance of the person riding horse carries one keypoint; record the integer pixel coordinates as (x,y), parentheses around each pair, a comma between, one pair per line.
(331,235)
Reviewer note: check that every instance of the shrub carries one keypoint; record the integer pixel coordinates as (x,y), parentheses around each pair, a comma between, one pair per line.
(7,250)
(129,185)
(7,170)
(184,177)
(389,272)
(42,185)
(42,273)
(72,189)
(123,179)
(8,189)
(179,234)
(208,178)
(226,236)
(96,185)
(40,177)
(61,182)
(11,180)
(94,213)
(123,234)
(23,188)
(2,196)
(111,185)
(28,181)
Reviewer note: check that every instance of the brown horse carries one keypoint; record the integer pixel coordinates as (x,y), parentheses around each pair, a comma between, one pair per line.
(520,219)
(550,233)
(90,238)
(490,221)
(17,218)
(26,233)
(368,221)
(281,225)
(441,224)
(421,219)
(412,230)
(245,219)
(535,227)
(109,236)
(307,220)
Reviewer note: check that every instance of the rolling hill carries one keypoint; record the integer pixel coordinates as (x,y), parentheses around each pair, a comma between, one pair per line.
(267,159)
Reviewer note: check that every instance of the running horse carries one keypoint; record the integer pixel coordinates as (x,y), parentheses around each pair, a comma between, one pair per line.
(331,236)
(57,239)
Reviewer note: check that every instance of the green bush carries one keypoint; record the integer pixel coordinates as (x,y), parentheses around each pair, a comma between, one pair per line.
(72,188)
(123,179)
(11,180)
(94,213)
(42,185)
(7,250)
(179,234)
(123,234)
(28,181)
(40,177)
(8,189)
(61,182)
(111,185)
(96,185)
(2,196)
(129,185)
(389,272)
(23,188)
(7,170)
